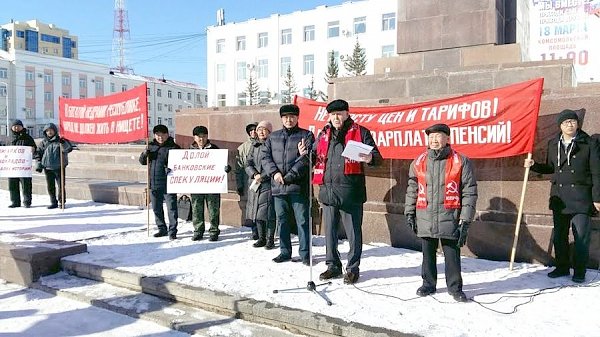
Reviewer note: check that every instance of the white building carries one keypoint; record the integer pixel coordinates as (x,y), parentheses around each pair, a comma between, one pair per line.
(301,40)
(31,83)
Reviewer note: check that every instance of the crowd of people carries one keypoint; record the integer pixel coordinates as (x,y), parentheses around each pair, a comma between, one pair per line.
(275,169)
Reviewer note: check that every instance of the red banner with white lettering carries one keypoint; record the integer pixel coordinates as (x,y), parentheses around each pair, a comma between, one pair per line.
(490,124)
(118,118)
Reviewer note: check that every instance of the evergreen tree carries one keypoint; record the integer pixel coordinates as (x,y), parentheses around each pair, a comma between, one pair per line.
(356,64)
(252,90)
(312,93)
(332,68)
(290,86)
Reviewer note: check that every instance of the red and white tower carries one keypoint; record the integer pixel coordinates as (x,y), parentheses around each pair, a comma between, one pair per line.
(120,34)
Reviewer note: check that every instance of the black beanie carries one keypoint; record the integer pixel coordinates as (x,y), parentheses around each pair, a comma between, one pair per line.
(250,127)
(567,114)
(16,122)
(200,130)
(160,128)
(337,105)
(289,109)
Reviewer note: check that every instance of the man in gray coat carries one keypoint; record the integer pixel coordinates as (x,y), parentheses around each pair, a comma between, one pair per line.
(440,205)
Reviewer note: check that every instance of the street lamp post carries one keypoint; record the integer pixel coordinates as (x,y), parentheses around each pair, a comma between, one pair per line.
(7,121)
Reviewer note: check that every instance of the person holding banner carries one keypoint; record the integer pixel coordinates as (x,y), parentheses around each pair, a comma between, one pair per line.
(573,159)
(342,186)
(289,174)
(157,156)
(439,206)
(48,155)
(260,210)
(20,137)
(213,200)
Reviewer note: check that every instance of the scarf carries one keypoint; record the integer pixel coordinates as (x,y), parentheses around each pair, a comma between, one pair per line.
(350,166)
(452,180)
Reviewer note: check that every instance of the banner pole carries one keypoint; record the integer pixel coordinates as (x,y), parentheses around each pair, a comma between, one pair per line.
(147,190)
(62,178)
(519,216)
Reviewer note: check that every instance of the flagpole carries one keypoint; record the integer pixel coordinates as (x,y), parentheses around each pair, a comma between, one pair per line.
(519,216)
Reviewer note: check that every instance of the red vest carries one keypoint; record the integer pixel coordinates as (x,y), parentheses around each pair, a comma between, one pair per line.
(350,166)
(452,180)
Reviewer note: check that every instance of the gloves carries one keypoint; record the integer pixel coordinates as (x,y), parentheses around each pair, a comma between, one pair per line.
(39,168)
(240,191)
(167,170)
(227,168)
(411,222)
(463,229)
(61,140)
(152,151)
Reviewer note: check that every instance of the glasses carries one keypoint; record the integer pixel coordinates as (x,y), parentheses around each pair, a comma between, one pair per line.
(569,122)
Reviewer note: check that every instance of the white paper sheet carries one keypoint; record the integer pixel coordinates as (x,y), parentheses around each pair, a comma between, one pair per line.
(354,148)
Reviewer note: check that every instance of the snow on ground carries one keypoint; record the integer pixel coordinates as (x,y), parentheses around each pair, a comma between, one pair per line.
(384,296)
(29,312)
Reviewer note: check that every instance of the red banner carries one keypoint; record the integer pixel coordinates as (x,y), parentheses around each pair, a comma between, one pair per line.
(490,124)
(118,118)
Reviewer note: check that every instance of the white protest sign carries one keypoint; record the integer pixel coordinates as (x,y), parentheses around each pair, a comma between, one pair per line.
(15,161)
(197,171)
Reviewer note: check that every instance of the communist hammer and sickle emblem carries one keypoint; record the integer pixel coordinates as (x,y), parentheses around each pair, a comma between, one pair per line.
(452,187)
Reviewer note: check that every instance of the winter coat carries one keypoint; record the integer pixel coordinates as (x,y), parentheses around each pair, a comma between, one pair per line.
(576,179)
(158,156)
(339,189)
(241,178)
(260,202)
(280,154)
(22,138)
(48,153)
(436,221)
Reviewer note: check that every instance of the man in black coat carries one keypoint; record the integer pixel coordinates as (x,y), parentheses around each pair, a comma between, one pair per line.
(157,156)
(342,185)
(20,137)
(289,180)
(573,159)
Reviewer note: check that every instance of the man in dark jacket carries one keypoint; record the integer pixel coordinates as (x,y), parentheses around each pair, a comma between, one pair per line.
(289,180)
(48,155)
(20,137)
(573,159)
(212,200)
(440,204)
(157,155)
(342,185)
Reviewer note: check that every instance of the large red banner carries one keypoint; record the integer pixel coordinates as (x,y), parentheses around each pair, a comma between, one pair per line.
(490,124)
(118,118)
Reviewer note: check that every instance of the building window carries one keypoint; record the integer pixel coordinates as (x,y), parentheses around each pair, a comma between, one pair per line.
(198,98)
(333,29)
(263,40)
(82,96)
(309,33)
(158,93)
(242,98)
(50,38)
(29,75)
(169,94)
(147,91)
(149,106)
(112,87)
(241,71)
(28,93)
(387,51)
(169,121)
(66,79)
(170,107)
(360,25)
(220,45)
(3,91)
(189,96)
(388,21)
(47,78)
(99,85)
(286,36)
(263,68)
(309,65)
(159,120)
(83,82)
(48,96)
(123,87)
(3,73)
(66,95)
(220,73)
(49,114)
(240,43)
(159,107)
(179,96)
(264,97)
(221,100)
(286,62)
(336,57)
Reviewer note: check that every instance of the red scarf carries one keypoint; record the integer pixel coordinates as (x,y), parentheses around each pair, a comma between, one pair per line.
(350,166)
(452,177)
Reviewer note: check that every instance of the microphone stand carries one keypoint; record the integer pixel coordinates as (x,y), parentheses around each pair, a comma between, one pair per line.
(310,286)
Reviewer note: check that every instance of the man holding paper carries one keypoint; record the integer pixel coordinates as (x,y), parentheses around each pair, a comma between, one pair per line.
(342,185)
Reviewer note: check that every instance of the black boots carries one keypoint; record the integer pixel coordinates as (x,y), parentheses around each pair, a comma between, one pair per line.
(261,233)
(270,238)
